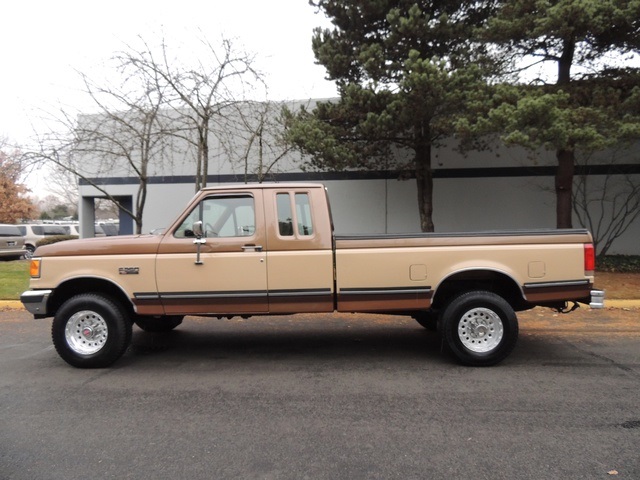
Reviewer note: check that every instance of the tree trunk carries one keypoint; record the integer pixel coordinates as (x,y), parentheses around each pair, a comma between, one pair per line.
(424,181)
(205,163)
(564,188)
(140,202)
(565,157)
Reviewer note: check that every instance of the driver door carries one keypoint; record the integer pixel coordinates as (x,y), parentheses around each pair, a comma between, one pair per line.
(229,275)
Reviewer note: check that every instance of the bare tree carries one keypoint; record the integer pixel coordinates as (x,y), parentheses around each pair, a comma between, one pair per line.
(253,136)
(126,136)
(606,204)
(198,95)
(63,184)
(139,122)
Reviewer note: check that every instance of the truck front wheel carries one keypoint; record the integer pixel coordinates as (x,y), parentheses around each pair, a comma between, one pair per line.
(91,331)
(480,328)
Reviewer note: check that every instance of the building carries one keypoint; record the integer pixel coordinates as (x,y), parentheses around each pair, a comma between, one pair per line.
(507,188)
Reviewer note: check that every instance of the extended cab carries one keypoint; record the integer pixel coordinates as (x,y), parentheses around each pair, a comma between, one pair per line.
(270,249)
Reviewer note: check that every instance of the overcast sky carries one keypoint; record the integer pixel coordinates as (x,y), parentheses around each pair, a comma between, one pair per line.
(44,42)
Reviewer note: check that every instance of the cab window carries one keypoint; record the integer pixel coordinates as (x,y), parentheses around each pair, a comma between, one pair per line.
(300,224)
(303,213)
(221,216)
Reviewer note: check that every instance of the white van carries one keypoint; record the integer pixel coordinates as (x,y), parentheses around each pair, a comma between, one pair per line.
(34,232)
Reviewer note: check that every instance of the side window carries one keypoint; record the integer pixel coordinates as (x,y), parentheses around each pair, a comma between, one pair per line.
(9,231)
(302,224)
(225,216)
(285,215)
(303,213)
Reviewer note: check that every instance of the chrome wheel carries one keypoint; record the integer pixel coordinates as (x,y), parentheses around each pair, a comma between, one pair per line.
(91,330)
(480,330)
(86,332)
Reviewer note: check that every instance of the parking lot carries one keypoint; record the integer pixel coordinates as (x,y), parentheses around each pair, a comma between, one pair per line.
(311,396)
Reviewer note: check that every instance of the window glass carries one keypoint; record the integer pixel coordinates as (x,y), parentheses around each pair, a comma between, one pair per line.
(9,231)
(285,215)
(52,230)
(303,214)
(221,217)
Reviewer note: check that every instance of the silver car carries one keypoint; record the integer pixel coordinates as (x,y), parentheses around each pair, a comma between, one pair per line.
(11,242)
(34,232)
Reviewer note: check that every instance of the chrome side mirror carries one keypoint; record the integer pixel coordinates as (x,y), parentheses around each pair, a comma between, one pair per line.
(197,229)
(199,241)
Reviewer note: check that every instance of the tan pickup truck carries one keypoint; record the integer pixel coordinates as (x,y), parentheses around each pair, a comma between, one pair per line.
(269,249)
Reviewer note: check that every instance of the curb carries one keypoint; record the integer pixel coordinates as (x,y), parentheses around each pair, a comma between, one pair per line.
(11,305)
(622,303)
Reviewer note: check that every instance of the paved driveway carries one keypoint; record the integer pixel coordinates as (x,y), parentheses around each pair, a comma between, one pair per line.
(325,397)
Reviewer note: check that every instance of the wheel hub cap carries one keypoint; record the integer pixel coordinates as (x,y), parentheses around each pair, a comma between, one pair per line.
(480,330)
(86,332)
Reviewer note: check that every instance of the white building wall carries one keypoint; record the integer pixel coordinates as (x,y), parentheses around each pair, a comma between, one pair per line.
(484,199)
(390,206)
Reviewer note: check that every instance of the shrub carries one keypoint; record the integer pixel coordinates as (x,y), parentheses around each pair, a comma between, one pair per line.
(55,239)
(619,263)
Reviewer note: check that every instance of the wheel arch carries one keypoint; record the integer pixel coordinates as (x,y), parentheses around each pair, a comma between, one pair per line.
(76,286)
(486,279)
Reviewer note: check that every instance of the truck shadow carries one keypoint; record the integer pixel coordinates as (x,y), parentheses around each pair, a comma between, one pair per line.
(273,339)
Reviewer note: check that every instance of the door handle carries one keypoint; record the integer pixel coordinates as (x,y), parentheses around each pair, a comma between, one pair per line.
(251,248)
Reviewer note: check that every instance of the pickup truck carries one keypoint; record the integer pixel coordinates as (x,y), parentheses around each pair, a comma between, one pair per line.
(270,249)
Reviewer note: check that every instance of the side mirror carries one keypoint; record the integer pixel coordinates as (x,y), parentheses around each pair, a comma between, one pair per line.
(199,241)
(197,229)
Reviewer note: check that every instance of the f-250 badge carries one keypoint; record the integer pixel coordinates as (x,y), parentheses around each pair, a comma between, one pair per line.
(129,270)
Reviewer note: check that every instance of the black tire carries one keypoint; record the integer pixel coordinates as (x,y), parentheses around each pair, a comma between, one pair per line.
(28,252)
(427,319)
(158,324)
(480,328)
(91,331)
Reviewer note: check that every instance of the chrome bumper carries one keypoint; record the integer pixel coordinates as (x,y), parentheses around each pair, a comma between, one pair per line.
(35,301)
(597,299)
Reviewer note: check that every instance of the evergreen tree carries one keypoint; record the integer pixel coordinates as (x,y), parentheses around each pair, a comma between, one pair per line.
(406,71)
(594,100)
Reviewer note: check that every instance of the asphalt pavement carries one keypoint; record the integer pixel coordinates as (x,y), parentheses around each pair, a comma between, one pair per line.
(325,397)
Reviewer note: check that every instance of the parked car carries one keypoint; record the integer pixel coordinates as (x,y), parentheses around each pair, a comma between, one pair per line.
(34,232)
(109,229)
(101,230)
(11,242)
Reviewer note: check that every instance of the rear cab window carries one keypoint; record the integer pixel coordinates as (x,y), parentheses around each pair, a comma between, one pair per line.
(294,214)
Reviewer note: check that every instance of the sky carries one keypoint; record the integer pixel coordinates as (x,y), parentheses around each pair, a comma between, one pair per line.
(44,43)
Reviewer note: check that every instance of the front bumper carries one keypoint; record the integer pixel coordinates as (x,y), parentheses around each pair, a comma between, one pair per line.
(597,299)
(35,301)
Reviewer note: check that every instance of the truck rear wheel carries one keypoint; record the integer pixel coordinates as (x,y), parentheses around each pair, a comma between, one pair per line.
(480,328)
(91,331)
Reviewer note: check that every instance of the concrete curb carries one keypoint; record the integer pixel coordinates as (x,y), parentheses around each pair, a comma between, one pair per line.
(621,303)
(11,305)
